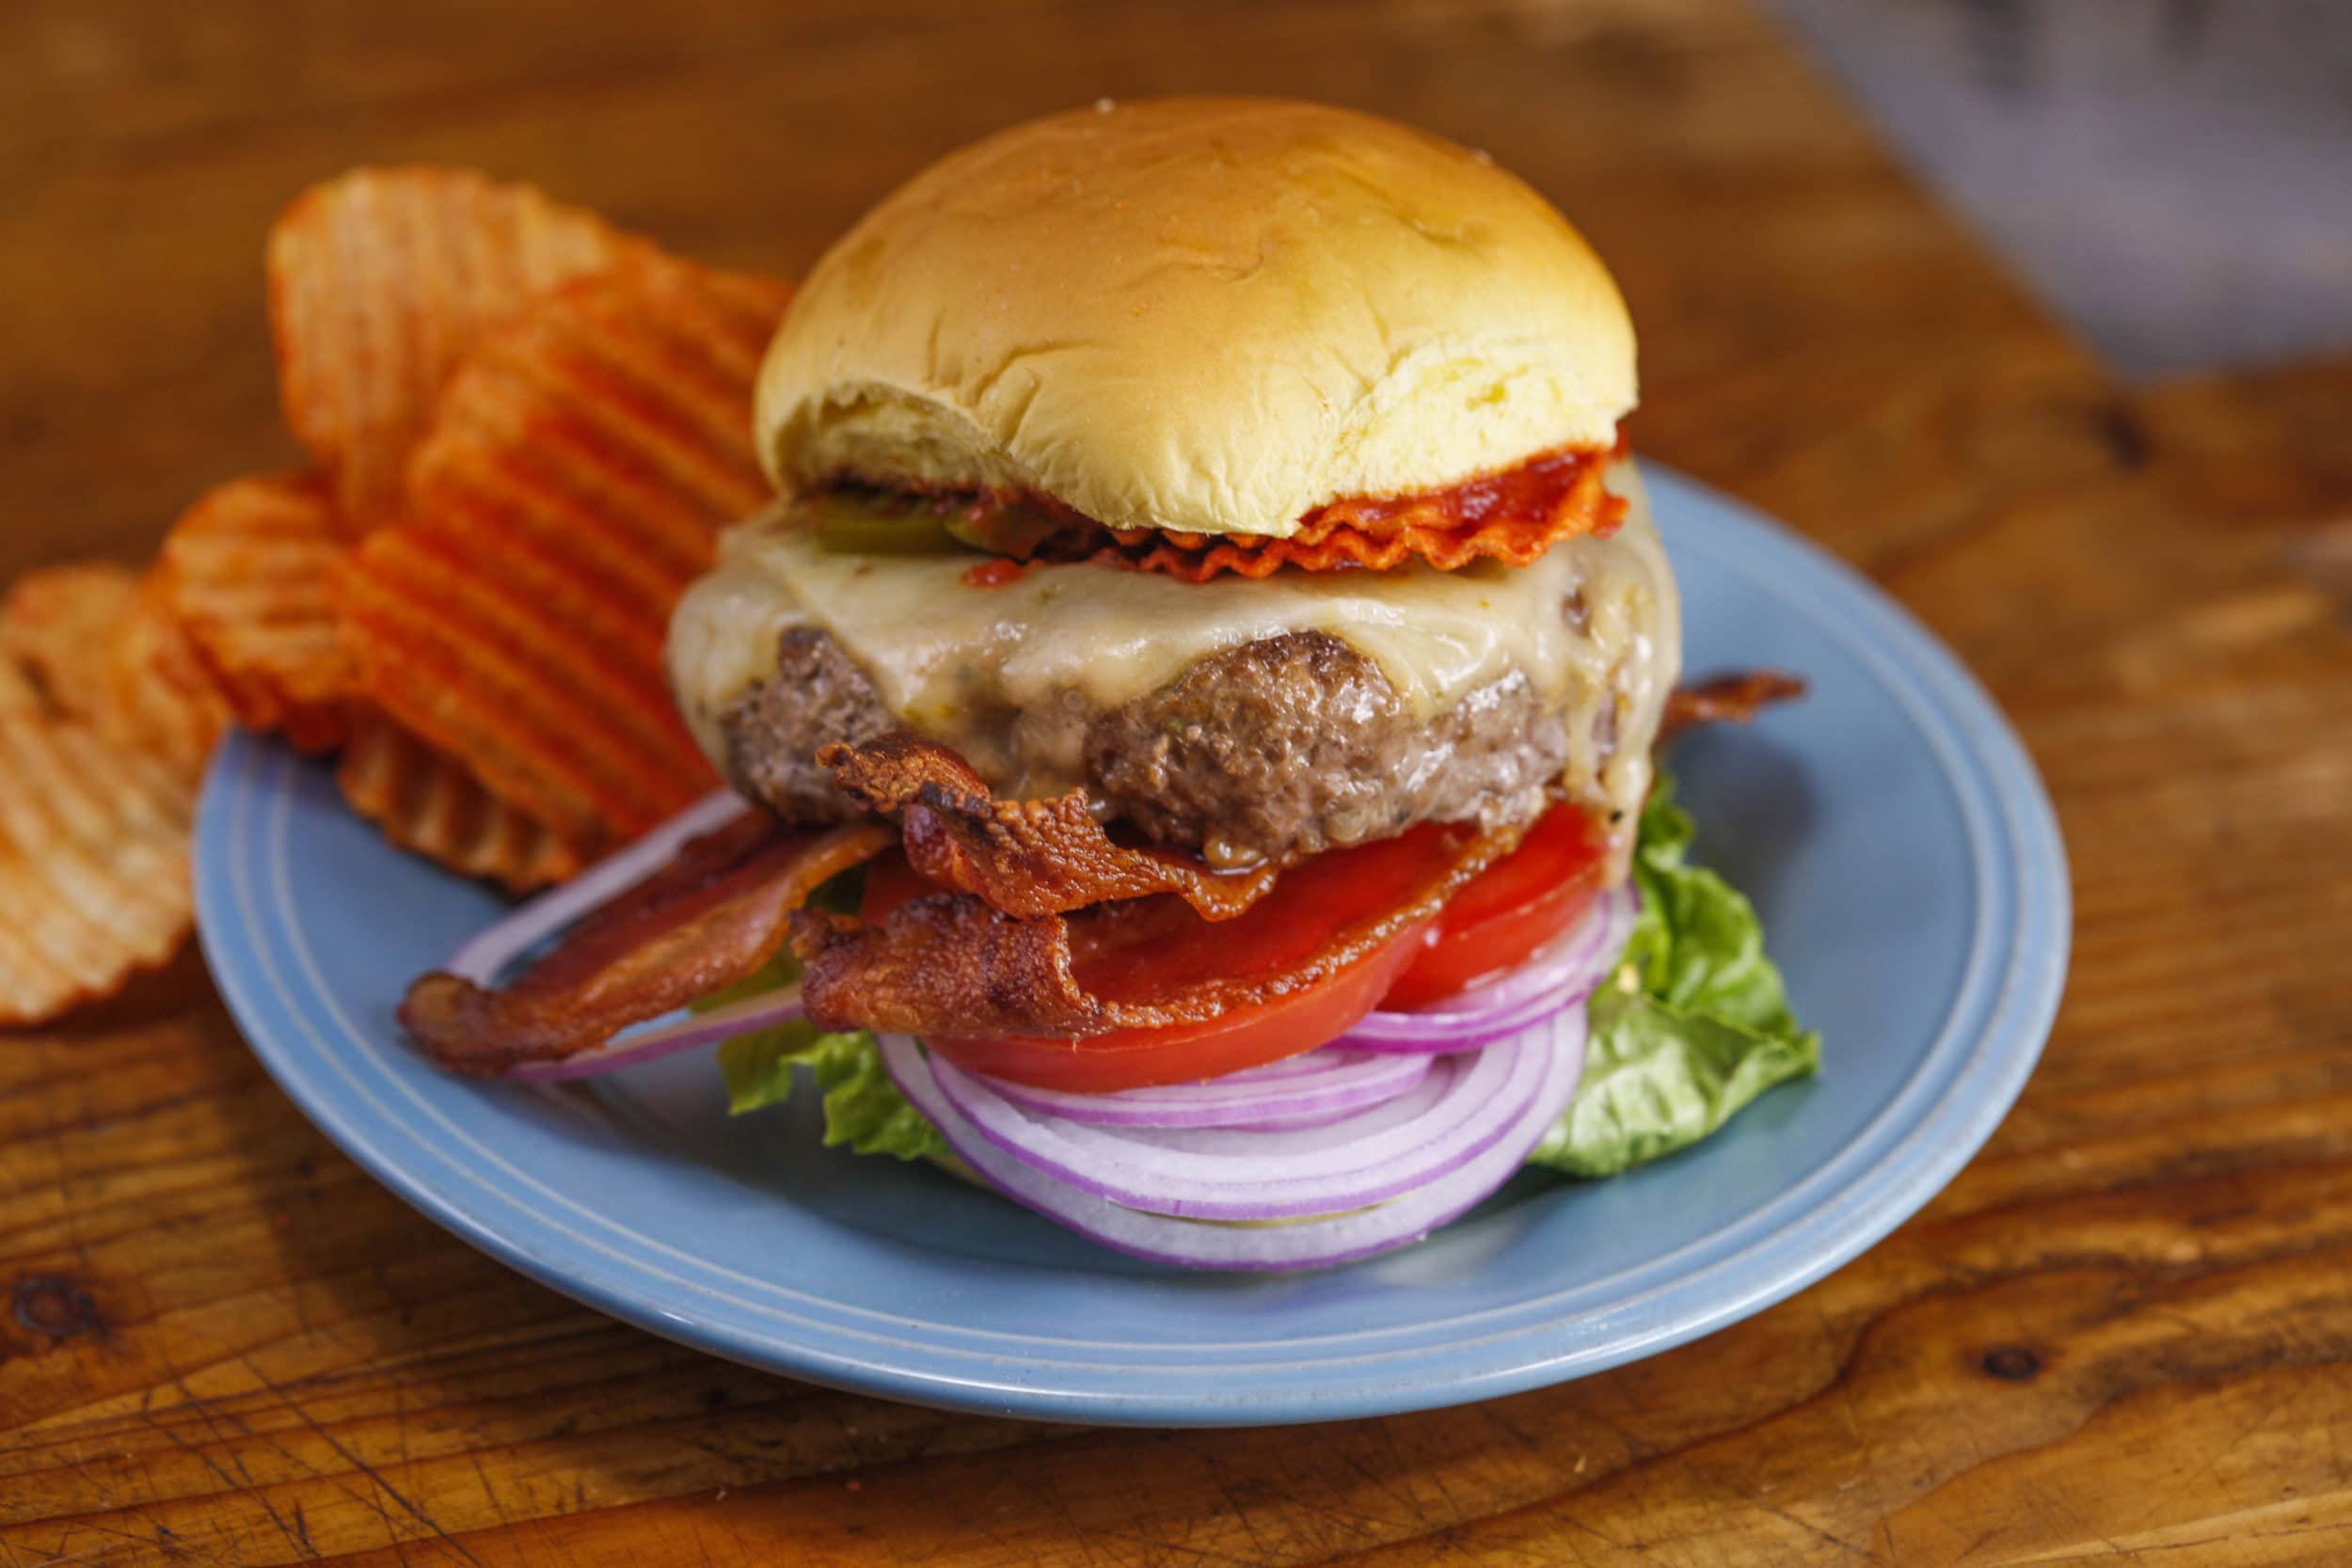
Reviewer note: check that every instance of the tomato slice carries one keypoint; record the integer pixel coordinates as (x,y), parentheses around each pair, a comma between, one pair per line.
(890,881)
(1143,950)
(1183,1052)
(1508,911)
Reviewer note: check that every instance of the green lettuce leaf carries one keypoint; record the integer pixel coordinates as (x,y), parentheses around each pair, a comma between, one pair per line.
(864,1109)
(1694,1026)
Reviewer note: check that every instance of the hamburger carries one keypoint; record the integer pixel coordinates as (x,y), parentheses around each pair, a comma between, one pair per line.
(1190,710)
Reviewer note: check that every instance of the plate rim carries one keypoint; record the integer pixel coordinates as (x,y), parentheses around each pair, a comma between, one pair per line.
(1980,762)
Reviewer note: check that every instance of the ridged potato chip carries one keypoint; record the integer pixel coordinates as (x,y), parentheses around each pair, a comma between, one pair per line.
(93,865)
(380,280)
(19,698)
(103,726)
(245,572)
(580,465)
(155,695)
(56,624)
(427,802)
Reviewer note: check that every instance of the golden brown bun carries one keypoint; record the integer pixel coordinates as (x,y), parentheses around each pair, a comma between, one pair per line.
(1207,314)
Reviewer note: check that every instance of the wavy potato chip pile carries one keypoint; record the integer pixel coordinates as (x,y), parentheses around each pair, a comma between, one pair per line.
(527,428)
(580,467)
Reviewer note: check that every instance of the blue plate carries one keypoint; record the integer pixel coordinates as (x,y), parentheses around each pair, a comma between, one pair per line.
(1890,828)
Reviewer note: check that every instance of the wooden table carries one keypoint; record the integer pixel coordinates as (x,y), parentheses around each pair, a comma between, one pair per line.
(2123,1334)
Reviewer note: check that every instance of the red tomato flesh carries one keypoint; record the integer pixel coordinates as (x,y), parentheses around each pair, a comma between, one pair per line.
(1150,950)
(1508,911)
(1188,1053)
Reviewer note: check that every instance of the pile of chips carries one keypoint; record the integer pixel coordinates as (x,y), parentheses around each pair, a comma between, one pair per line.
(526,429)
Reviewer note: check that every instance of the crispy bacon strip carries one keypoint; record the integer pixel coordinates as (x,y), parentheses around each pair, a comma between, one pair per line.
(948,965)
(1513,517)
(1025,858)
(711,917)
(944,963)
(1730,698)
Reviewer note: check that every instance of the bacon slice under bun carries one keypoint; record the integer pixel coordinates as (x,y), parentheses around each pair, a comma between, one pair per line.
(1513,516)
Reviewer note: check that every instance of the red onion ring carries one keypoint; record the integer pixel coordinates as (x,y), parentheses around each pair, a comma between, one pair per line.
(1320,1242)
(1321,1086)
(1565,972)
(1461,1106)
(685,1032)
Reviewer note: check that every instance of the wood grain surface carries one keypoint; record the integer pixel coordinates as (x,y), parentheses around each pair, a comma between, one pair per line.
(2124,1335)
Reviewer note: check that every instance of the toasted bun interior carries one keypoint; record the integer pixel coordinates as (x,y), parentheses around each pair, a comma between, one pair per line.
(1203,314)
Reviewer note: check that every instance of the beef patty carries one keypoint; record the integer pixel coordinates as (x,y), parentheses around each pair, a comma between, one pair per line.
(1291,744)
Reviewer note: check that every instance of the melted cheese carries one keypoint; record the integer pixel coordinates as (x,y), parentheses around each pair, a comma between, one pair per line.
(1007,674)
